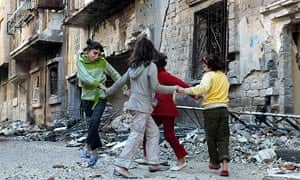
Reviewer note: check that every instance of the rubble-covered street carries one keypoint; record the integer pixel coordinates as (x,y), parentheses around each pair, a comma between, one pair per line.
(43,160)
(35,152)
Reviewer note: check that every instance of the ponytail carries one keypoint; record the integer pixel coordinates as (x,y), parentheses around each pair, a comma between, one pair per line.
(93,45)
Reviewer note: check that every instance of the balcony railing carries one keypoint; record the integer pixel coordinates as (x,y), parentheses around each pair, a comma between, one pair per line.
(20,17)
(25,13)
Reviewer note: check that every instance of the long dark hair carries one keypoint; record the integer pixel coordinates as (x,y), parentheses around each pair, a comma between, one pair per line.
(214,63)
(93,45)
(143,53)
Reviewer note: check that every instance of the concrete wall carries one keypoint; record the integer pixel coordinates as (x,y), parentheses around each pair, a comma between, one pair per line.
(4,38)
(261,42)
(151,14)
(177,36)
(114,32)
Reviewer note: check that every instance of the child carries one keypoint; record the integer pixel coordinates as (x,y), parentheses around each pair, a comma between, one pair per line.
(142,74)
(165,112)
(214,87)
(92,70)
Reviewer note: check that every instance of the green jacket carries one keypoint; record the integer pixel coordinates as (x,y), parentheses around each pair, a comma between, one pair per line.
(91,74)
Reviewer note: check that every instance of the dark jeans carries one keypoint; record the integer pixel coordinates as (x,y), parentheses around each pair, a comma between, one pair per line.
(217,134)
(94,117)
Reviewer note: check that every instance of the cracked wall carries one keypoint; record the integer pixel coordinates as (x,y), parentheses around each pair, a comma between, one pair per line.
(260,39)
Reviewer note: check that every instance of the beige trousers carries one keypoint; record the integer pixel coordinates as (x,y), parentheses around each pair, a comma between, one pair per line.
(142,123)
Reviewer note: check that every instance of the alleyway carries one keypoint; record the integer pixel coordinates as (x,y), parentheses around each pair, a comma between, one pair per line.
(42,160)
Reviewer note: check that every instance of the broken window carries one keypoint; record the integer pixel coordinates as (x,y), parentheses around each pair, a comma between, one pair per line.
(209,35)
(53,79)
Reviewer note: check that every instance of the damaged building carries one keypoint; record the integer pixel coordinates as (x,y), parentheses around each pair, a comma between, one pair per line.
(259,40)
(34,84)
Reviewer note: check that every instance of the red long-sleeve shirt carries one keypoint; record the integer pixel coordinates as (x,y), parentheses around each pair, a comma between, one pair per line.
(165,104)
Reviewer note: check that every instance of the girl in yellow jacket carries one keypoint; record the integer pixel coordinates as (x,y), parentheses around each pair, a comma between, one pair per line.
(214,88)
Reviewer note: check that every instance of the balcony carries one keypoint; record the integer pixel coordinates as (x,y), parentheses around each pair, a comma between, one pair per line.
(35,29)
(95,12)
(19,18)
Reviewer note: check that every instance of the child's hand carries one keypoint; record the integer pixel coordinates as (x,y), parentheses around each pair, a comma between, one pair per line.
(197,97)
(180,90)
(126,92)
(102,86)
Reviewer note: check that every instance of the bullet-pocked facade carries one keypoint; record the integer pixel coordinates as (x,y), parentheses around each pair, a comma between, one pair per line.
(259,40)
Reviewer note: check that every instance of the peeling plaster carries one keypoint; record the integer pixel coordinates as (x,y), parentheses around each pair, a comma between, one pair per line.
(252,40)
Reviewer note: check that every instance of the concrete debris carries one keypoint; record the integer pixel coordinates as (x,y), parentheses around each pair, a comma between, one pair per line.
(122,122)
(285,170)
(118,146)
(60,129)
(266,155)
(247,145)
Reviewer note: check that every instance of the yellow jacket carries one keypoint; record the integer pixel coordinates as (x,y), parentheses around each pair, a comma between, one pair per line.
(214,86)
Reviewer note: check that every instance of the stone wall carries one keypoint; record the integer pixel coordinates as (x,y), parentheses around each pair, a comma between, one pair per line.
(259,51)
(177,38)
(262,58)
(114,32)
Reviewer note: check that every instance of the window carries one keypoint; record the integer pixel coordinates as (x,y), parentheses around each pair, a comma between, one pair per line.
(53,79)
(36,88)
(209,35)
(15,95)
(4,93)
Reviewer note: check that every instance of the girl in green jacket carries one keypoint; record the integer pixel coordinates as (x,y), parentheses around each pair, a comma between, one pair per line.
(92,69)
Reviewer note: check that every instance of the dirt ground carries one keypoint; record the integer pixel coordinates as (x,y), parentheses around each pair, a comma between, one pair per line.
(42,160)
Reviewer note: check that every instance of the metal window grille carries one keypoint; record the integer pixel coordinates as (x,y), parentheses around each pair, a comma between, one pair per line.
(209,35)
(36,88)
(53,79)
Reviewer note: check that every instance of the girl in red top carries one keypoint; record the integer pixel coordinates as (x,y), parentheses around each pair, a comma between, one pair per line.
(165,111)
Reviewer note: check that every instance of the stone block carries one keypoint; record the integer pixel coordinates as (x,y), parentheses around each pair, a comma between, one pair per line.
(262,92)
(246,101)
(258,101)
(256,84)
(245,86)
(272,91)
(234,102)
(253,93)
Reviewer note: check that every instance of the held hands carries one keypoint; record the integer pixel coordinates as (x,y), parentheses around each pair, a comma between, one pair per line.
(179,90)
(102,86)
(126,92)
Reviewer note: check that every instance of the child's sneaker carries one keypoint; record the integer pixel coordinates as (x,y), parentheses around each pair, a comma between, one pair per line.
(92,161)
(86,153)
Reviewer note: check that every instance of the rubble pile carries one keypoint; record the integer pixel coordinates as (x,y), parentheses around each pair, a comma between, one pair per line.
(247,145)
(68,128)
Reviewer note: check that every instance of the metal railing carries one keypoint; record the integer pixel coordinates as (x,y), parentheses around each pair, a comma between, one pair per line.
(68,114)
(274,121)
(18,17)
